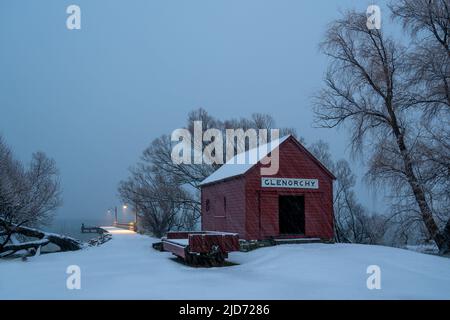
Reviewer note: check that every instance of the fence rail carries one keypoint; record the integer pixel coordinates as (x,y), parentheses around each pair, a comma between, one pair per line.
(129,226)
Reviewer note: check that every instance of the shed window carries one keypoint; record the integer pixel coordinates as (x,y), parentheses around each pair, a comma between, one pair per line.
(207,205)
(225,204)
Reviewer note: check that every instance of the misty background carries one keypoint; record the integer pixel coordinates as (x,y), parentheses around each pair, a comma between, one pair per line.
(94,98)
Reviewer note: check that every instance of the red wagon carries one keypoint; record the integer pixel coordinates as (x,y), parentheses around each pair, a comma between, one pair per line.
(202,248)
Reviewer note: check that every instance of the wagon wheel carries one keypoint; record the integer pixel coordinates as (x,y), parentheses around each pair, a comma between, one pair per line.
(188,257)
(208,260)
(196,260)
(218,259)
(202,261)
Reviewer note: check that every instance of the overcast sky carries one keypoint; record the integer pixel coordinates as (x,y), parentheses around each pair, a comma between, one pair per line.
(94,98)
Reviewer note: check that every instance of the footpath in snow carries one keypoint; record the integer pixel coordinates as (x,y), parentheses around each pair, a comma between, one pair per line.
(128,268)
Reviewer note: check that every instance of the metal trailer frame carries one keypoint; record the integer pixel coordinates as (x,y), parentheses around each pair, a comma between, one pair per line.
(201,248)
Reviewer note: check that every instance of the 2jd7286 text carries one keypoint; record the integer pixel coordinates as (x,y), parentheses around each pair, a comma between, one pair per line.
(227,310)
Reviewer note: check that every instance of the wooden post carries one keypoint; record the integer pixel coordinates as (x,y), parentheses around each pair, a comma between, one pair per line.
(135,217)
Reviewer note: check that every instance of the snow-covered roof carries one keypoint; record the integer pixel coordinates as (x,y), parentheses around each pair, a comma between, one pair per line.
(233,167)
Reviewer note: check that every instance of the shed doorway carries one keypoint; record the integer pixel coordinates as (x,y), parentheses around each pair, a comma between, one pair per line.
(291,212)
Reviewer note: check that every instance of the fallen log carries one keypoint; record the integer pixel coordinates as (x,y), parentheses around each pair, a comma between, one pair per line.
(446,235)
(104,237)
(64,243)
(25,245)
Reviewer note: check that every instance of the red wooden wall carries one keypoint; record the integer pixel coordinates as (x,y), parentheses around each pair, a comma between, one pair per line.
(216,218)
(252,211)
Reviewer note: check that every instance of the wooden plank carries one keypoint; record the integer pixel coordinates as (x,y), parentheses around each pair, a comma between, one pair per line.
(176,249)
(204,243)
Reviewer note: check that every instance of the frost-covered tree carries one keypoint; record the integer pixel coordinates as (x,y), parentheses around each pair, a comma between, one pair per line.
(376,88)
(353,222)
(29,196)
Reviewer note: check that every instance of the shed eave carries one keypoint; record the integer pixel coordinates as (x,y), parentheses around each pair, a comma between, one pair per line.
(223,180)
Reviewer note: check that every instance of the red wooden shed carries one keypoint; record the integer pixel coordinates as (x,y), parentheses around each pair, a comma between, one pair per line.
(295,202)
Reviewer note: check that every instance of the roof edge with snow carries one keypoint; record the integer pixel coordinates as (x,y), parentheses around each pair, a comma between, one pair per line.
(232,170)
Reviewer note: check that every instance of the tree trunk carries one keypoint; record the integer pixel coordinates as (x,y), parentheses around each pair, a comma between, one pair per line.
(427,216)
(446,235)
(24,245)
(63,242)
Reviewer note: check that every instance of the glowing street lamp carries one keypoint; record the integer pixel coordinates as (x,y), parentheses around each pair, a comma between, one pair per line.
(115,213)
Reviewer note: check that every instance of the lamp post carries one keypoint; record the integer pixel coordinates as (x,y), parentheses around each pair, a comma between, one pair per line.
(115,214)
(124,212)
(125,207)
(135,216)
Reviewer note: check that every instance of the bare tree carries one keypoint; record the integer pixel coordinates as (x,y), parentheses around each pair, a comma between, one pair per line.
(28,198)
(352,221)
(255,122)
(162,205)
(367,88)
(171,191)
(429,62)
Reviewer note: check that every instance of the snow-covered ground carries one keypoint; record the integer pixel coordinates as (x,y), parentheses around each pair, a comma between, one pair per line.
(128,268)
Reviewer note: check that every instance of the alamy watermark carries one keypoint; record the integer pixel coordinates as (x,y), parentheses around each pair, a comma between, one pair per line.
(237,147)
(73,281)
(73,21)
(374,280)
(373,13)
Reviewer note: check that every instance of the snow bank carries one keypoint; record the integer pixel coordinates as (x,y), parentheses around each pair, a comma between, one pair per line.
(127,268)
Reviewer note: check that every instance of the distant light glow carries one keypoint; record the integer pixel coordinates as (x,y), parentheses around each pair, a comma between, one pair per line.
(114,230)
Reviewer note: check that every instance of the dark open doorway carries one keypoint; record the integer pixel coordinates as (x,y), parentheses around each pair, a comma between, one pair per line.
(291,212)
